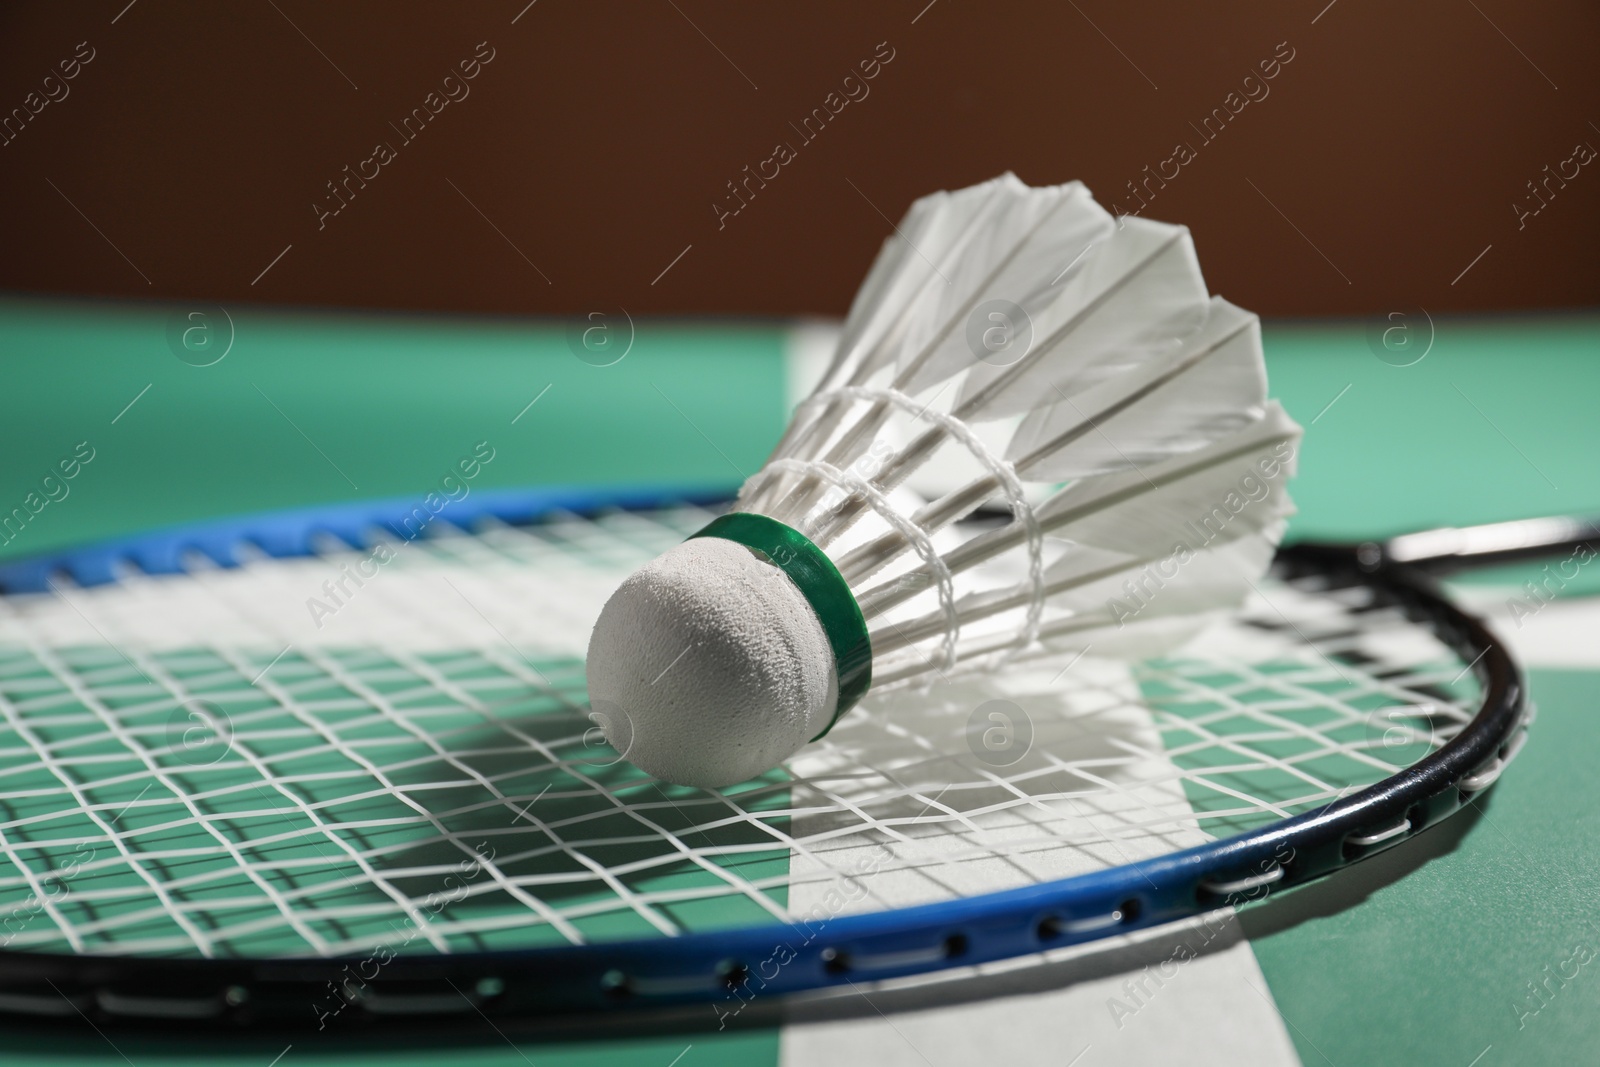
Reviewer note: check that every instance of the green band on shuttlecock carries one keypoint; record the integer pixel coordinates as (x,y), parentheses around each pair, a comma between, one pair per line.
(823,587)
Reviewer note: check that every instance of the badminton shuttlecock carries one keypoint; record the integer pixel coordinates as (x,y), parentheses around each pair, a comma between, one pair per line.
(1032,340)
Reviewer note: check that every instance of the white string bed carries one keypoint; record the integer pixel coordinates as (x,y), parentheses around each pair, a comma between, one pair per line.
(191,765)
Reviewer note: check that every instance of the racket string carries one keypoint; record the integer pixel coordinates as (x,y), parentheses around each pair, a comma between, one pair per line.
(457,733)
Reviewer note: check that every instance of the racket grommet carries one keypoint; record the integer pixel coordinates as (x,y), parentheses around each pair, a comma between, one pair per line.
(834,961)
(615,984)
(732,974)
(1359,844)
(489,987)
(235,995)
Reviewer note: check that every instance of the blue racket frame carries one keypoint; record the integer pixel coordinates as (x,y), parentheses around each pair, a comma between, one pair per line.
(729,968)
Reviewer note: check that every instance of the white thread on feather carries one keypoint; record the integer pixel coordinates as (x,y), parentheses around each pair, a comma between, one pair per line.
(1000,469)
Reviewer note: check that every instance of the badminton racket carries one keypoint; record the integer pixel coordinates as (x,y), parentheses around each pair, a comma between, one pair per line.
(309,768)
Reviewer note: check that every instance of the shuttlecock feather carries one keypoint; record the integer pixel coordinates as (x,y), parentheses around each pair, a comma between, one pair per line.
(1090,345)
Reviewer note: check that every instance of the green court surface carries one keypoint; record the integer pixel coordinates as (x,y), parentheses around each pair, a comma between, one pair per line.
(1438,952)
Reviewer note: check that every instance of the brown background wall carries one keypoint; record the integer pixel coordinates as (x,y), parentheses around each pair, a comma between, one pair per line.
(188,153)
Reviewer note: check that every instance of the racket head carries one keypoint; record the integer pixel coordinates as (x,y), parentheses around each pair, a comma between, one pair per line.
(216,809)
